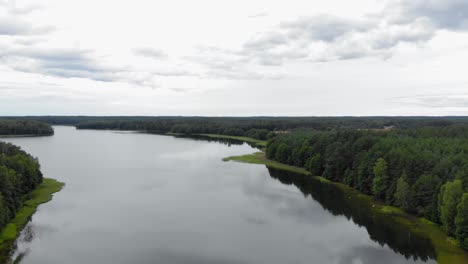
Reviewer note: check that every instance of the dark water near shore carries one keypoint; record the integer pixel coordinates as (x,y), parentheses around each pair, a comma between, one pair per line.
(139,198)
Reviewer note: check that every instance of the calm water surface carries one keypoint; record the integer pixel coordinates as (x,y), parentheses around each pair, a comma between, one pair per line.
(139,198)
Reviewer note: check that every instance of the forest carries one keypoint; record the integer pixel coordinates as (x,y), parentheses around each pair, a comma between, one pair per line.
(19,174)
(24,127)
(256,127)
(422,170)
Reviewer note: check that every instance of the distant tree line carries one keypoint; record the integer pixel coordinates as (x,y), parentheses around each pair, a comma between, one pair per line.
(421,170)
(25,127)
(257,127)
(19,174)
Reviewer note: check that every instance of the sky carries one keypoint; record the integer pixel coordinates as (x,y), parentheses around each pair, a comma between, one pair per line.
(234,58)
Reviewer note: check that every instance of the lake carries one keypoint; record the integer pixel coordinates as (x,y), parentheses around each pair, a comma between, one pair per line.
(141,198)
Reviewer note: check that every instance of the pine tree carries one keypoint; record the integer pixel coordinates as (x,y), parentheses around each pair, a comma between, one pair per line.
(380,182)
(461,221)
(452,192)
(403,193)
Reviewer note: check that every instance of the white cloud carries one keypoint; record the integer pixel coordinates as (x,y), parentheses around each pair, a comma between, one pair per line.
(300,57)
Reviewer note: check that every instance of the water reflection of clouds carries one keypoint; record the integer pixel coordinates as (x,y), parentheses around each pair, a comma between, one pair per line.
(344,243)
(150,187)
(41,230)
(255,220)
(374,254)
(177,257)
(285,201)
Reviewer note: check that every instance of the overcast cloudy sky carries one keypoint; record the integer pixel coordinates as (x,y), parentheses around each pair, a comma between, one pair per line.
(253,57)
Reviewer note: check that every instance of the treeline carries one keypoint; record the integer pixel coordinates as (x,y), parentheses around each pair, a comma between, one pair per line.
(423,171)
(25,127)
(254,128)
(19,174)
(258,127)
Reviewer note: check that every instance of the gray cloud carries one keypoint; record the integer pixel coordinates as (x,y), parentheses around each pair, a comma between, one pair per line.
(13,26)
(266,40)
(150,52)
(445,14)
(65,63)
(227,64)
(318,38)
(326,38)
(393,35)
(80,63)
(322,38)
(325,27)
(300,38)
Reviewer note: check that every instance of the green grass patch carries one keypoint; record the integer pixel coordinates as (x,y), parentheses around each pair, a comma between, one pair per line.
(261,144)
(259,158)
(387,209)
(40,195)
(257,142)
(322,179)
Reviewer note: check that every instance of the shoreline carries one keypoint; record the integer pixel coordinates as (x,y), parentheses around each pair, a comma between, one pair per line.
(446,248)
(25,135)
(42,194)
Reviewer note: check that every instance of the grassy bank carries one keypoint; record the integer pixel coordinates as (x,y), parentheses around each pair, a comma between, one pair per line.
(259,158)
(446,248)
(261,144)
(40,195)
(256,142)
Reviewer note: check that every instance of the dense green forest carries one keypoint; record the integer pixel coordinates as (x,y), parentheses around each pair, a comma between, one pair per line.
(19,174)
(24,127)
(422,170)
(257,127)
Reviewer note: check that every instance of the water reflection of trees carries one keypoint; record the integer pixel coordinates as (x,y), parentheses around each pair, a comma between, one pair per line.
(382,229)
(226,141)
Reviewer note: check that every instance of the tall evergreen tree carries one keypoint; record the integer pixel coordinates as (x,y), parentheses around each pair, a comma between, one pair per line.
(461,221)
(380,182)
(403,193)
(451,195)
